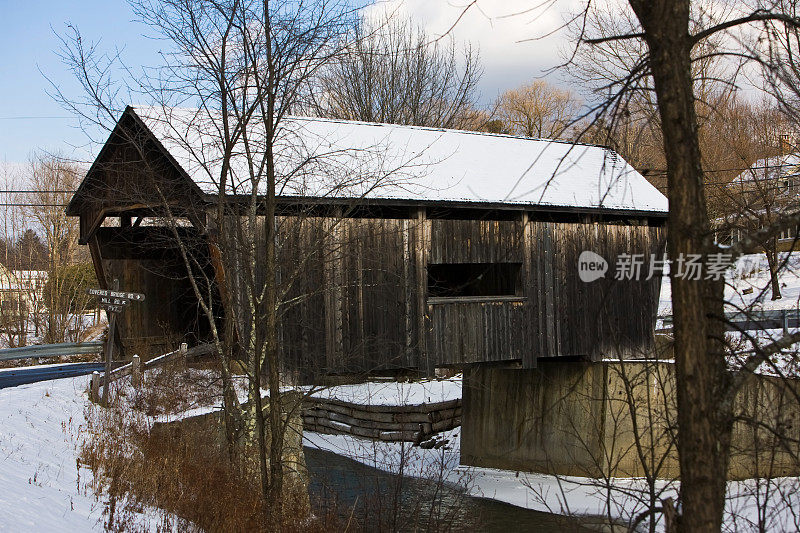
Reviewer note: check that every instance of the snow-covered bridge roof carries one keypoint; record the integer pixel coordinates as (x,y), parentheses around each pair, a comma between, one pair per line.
(346,159)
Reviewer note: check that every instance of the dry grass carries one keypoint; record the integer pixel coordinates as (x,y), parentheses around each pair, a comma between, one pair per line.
(185,476)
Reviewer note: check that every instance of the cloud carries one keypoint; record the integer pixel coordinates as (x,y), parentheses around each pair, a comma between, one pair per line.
(513,39)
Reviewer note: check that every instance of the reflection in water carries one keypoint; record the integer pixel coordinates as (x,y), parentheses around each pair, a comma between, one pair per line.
(379,501)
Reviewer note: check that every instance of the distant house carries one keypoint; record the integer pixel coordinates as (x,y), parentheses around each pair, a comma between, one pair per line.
(13,300)
(21,292)
(32,282)
(762,194)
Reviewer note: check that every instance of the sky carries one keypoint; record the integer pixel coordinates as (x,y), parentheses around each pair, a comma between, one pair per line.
(31,120)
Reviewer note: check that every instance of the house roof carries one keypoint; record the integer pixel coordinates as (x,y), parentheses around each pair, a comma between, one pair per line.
(325,158)
(770,168)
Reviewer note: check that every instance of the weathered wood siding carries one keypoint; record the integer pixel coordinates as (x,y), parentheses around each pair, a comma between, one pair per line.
(352,287)
(358,300)
(476,241)
(142,260)
(477,331)
(354,294)
(604,318)
(557,314)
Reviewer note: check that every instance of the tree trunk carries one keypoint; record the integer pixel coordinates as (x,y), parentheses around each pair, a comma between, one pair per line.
(272,362)
(771,250)
(703,431)
(271,293)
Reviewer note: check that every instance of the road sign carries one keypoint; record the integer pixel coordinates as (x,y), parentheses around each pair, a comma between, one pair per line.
(114,302)
(136,296)
(107,300)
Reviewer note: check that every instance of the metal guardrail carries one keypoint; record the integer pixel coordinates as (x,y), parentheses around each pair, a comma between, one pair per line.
(753,320)
(51,350)
(32,374)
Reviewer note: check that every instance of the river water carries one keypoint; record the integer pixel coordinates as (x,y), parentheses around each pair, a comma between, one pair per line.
(375,500)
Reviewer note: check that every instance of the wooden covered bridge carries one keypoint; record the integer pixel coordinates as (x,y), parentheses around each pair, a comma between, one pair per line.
(399,248)
(466,253)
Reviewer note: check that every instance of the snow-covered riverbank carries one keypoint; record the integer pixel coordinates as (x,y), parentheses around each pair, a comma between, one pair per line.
(620,499)
(42,486)
(43,489)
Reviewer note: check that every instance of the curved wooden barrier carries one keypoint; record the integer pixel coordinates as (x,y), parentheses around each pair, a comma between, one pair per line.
(391,423)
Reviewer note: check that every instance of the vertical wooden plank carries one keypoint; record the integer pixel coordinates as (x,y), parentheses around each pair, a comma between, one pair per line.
(422,240)
(529,348)
(408,291)
(333,293)
(547,288)
(358,244)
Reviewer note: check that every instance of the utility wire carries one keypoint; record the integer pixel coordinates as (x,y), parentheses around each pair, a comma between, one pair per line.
(32,205)
(32,191)
(31,117)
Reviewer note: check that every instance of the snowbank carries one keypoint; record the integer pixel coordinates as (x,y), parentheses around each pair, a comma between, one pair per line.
(395,393)
(42,487)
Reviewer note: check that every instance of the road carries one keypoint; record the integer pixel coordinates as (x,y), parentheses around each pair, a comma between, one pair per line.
(11,377)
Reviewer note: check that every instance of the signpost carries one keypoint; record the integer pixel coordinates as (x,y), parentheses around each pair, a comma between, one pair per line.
(114,302)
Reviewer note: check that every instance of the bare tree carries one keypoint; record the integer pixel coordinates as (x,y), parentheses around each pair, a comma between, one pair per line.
(394,73)
(244,65)
(669,33)
(52,183)
(538,109)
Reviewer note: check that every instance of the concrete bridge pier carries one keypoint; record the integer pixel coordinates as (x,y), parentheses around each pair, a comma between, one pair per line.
(613,418)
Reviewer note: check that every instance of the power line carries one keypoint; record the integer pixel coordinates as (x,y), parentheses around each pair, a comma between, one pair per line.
(32,205)
(32,117)
(33,191)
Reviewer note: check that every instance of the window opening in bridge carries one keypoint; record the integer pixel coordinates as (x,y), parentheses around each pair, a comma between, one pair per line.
(473,279)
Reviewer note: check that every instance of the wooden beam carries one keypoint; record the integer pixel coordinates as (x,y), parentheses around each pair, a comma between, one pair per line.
(97,261)
(421,243)
(408,295)
(529,356)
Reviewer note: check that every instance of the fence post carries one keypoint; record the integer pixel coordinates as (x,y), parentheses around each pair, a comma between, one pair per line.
(136,371)
(94,387)
(785,321)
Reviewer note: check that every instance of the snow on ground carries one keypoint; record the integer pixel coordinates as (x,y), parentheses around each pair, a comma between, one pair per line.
(395,393)
(42,489)
(40,484)
(751,272)
(371,392)
(563,494)
(554,494)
